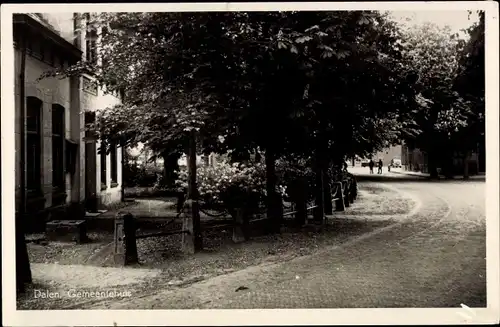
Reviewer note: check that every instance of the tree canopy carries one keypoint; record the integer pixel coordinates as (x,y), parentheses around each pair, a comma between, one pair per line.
(344,82)
(447,66)
(280,80)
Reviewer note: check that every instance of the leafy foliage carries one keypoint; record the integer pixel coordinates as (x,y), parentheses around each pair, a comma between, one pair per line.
(445,113)
(470,84)
(302,77)
(324,84)
(231,185)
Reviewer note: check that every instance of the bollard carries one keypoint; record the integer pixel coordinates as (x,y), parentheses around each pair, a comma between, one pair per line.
(125,250)
(339,203)
(354,189)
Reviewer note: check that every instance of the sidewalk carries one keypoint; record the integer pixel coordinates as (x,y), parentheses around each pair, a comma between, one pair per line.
(425,175)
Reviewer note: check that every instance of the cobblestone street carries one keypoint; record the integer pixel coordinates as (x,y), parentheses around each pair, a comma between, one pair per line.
(434,257)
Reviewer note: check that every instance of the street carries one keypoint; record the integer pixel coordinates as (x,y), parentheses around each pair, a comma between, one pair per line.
(433,258)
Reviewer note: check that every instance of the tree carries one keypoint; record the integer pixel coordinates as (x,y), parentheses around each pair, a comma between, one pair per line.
(433,54)
(470,84)
(314,84)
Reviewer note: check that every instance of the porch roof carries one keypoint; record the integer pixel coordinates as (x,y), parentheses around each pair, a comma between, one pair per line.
(27,27)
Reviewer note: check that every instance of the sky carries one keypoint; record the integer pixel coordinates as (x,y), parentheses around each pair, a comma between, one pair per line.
(456,19)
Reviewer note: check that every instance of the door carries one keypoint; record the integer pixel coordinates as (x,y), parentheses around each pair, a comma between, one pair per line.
(90,177)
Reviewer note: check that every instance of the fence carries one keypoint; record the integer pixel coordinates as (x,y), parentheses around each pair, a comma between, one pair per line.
(125,235)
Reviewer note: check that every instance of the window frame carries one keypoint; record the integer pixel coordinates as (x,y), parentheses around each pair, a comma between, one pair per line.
(33,136)
(103,158)
(58,138)
(90,41)
(114,165)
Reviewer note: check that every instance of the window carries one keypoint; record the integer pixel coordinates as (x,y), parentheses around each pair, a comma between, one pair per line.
(102,151)
(90,41)
(114,165)
(33,144)
(57,146)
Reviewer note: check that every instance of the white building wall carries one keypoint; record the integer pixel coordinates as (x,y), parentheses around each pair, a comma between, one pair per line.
(69,94)
(112,193)
(50,91)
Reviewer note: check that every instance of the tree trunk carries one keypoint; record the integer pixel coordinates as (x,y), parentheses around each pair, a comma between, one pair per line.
(300,199)
(432,165)
(170,166)
(123,163)
(327,194)
(447,169)
(466,166)
(23,269)
(319,212)
(192,193)
(273,200)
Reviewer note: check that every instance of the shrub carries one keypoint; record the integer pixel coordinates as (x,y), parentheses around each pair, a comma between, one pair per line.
(233,186)
(133,175)
(163,183)
(292,171)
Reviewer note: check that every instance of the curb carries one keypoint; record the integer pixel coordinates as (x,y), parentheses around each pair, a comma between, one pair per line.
(479,177)
(409,174)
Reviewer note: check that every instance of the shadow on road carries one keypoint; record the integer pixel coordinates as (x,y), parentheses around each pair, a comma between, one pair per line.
(400,178)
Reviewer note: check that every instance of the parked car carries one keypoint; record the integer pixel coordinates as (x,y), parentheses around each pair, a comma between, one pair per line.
(396,163)
(365,163)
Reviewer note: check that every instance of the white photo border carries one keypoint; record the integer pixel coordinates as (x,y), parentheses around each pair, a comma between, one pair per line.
(13,317)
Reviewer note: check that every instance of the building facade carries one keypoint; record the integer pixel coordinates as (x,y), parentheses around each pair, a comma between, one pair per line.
(387,154)
(62,168)
(417,160)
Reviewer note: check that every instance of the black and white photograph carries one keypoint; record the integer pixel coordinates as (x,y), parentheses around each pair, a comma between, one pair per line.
(250,156)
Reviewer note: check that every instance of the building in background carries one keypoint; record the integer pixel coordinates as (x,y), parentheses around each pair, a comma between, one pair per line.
(387,154)
(417,160)
(62,168)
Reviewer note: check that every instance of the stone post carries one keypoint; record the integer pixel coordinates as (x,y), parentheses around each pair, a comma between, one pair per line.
(347,203)
(125,249)
(339,203)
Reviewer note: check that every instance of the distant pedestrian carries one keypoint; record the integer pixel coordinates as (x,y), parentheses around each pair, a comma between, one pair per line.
(380,165)
(389,167)
(371,164)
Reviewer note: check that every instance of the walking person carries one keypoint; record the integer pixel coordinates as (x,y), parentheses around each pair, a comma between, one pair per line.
(371,164)
(380,165)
